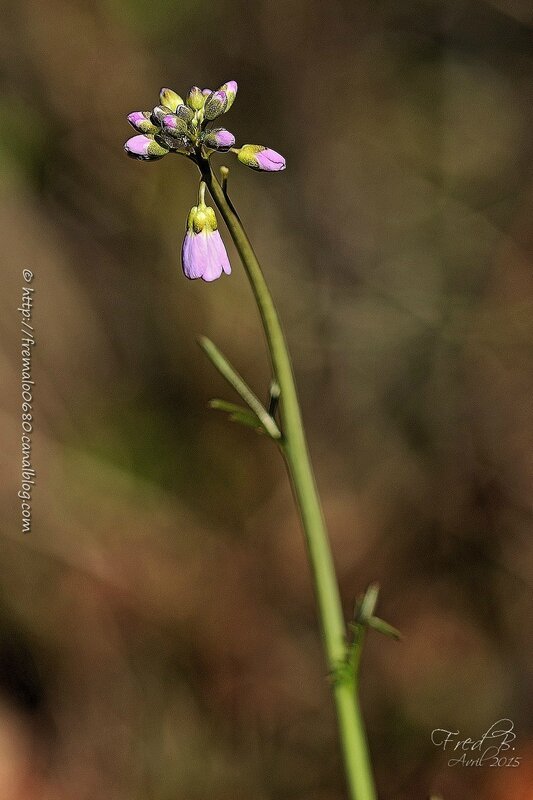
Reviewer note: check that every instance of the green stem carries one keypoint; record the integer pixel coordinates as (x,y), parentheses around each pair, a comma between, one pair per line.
(294,447)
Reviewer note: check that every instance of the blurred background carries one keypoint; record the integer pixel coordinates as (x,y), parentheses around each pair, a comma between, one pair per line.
(158,638)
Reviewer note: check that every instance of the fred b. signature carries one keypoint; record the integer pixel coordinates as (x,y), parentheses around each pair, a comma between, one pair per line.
(494,748)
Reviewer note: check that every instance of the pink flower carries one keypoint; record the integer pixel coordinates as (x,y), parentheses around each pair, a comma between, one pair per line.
(145,148)
(261,158)
(219,139)
(203,254)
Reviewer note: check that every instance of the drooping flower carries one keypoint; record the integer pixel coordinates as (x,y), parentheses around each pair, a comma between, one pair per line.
(261,158)
(203,254)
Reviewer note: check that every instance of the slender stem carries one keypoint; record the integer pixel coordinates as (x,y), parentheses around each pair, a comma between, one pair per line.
(294,447)
(201,194)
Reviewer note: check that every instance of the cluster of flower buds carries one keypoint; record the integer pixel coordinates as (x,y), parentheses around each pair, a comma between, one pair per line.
(187,127)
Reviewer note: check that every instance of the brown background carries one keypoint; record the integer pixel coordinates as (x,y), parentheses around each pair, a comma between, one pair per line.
(158,638)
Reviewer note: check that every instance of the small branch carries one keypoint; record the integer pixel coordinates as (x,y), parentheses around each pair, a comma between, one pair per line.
(240,386)
(363,619)
(273,401)
(224,173)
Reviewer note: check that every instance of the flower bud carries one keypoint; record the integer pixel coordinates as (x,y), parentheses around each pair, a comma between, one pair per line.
(174,140)
(140,120)
(261,158)
(174,125)
(185,113)
(219,139)
(215,104)
(170,99)
(195,98)
(158,113)
(230,88)
(144,148)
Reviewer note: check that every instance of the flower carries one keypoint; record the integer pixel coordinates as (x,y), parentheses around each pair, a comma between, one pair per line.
(174,124)
(144,148)
(141,121)
(261,158)
(195,98)
(230,89)
(170,99)
(219,139)
(203,254)
(186,127)
(215,104)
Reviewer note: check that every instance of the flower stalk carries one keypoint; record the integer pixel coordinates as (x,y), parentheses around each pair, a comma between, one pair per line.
(186,128)
(293,445)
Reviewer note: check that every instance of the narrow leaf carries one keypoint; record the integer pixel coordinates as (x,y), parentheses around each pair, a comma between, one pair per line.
(238,414)
(383,627)
(230,408)
(367,604)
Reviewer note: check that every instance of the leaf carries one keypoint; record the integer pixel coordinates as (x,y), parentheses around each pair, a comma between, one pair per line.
(366,605)
(383,627)
(238,414)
